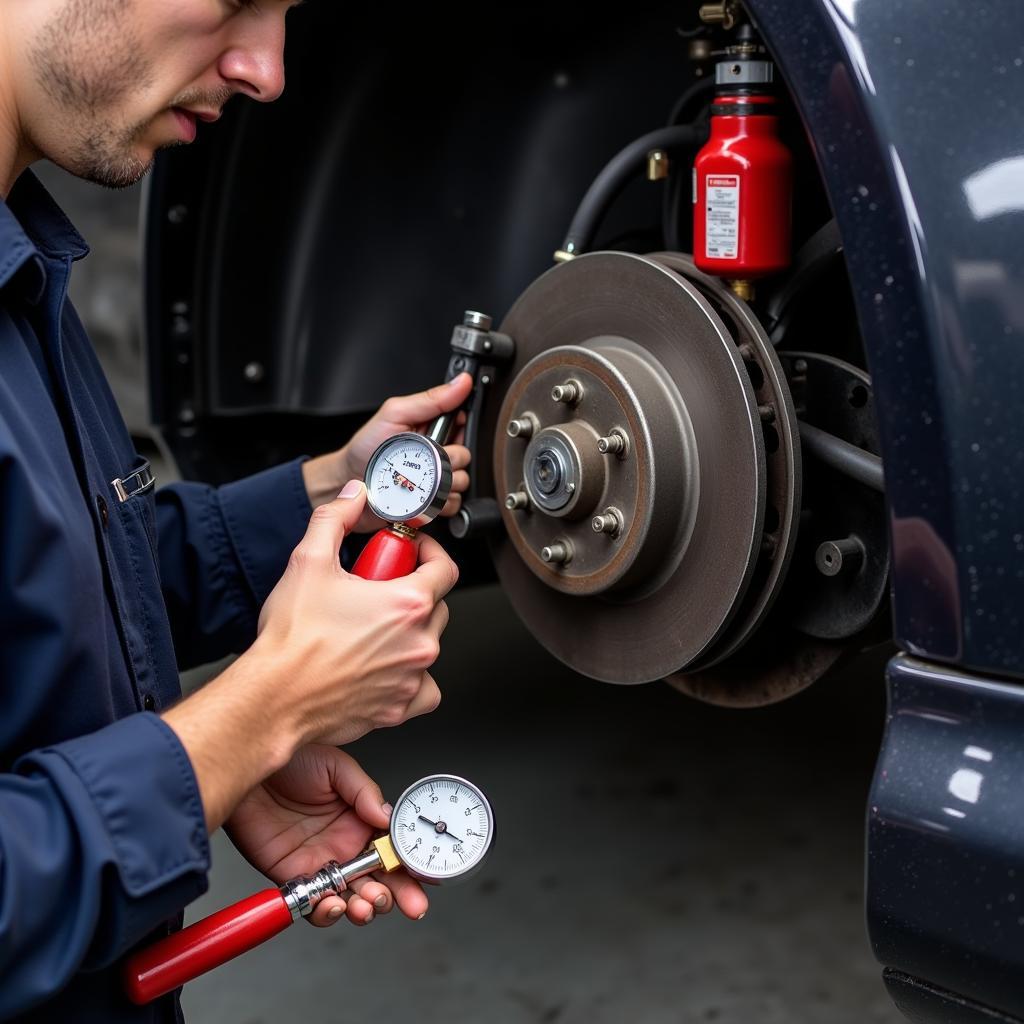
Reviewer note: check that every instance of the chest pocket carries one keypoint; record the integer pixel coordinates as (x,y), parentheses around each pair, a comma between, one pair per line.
(145,622)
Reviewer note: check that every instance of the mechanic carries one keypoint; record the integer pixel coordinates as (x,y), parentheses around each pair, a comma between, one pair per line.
(109,783)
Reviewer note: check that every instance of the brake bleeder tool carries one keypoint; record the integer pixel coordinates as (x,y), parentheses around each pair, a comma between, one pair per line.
(442,828)
(409,477)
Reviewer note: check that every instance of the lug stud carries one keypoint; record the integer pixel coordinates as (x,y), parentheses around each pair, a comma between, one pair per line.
(571,392)
(614,442)
(524,426)
(517,500)
(609,521)
(558,553)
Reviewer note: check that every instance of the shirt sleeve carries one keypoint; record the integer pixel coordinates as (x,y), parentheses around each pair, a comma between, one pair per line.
(102,839)
(222,550)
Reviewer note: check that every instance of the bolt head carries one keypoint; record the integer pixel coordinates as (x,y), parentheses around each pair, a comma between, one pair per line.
(472,318)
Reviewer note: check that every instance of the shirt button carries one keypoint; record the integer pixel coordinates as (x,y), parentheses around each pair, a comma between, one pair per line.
(101,508)
(148,702)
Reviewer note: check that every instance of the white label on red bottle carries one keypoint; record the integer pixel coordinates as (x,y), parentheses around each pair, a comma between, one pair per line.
(722,216)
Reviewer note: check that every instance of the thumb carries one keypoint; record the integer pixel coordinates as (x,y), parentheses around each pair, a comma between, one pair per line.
(427,405)
(329,523)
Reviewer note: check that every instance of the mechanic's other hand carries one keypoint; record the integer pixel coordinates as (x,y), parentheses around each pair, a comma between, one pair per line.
(352,654)
(322,806)
(323,476)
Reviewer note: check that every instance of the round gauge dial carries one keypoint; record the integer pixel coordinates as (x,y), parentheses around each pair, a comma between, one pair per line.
(442,828)
(408,479)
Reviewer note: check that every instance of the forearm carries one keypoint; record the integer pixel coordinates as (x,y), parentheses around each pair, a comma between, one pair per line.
(237,730)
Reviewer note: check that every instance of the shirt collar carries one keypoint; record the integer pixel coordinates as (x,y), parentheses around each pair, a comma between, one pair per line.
(31,224)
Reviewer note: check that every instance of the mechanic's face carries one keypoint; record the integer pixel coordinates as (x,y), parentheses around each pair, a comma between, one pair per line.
(115,80)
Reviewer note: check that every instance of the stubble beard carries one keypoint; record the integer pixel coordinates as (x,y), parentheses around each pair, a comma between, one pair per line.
(87,60)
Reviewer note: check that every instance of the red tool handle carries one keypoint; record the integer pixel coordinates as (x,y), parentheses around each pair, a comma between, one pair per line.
(204,945)
(388,555)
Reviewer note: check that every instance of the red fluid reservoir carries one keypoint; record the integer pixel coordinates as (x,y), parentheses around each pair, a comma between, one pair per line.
(743,184)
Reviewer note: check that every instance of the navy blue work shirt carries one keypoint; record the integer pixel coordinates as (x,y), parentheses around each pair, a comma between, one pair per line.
(102,600)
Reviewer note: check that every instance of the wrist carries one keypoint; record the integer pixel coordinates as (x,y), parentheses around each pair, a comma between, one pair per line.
(325,476)
(237,730)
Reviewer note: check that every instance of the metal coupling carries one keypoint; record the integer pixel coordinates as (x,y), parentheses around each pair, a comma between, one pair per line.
(571,392)
(523,426)
(615,442)
(517,500)
(557,553)
(609,521)
(304,893)
(657,165)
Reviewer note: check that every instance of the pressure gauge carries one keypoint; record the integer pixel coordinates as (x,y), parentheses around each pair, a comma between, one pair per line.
(442,827)
(408,480)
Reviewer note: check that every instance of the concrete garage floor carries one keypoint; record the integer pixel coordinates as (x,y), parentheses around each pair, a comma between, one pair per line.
(656,860)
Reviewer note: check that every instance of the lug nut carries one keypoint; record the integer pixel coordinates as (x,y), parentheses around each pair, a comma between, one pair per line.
(523,427)
(517,500)
(613,443)
(609,521)
(559,553)
(571,392)
(836,556)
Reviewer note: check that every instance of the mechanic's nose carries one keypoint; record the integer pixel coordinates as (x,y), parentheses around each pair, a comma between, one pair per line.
(258,68)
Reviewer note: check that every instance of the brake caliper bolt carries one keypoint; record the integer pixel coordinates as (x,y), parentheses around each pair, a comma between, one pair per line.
(571,392)
(517,500)
(609,521)
(614,442)
(559,553)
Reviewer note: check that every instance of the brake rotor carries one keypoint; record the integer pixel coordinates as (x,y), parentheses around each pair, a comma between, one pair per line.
(638,492)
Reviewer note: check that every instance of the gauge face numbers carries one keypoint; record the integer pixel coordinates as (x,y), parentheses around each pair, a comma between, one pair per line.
(442,828)
(402,478)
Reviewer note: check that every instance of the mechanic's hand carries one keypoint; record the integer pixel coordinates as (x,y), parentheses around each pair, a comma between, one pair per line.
(352,654)
(323,476)
(322,806)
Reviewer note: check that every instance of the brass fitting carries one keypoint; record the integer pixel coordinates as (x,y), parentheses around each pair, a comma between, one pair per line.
(724,13)
(657,165)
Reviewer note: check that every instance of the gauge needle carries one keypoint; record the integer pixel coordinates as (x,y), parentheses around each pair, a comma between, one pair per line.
(444,828)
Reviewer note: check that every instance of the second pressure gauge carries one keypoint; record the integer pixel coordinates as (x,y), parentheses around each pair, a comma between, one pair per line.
(408,480)
(442,827)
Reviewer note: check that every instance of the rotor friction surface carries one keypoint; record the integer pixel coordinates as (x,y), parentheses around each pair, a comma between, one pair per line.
(644,634)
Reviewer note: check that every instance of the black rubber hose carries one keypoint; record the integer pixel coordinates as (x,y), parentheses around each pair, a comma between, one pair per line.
(616,174)
(847,458)
(676,186)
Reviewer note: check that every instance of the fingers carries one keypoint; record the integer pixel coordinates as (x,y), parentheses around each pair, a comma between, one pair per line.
(429,404)
(329,523)
(436,569)
(328,911)
(367,897)
(407,894)
(459,455)
(426,700)
(452,505)
(358,790)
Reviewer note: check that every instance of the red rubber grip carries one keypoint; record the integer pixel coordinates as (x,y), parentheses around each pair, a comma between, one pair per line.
(387,556)
(204,945)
